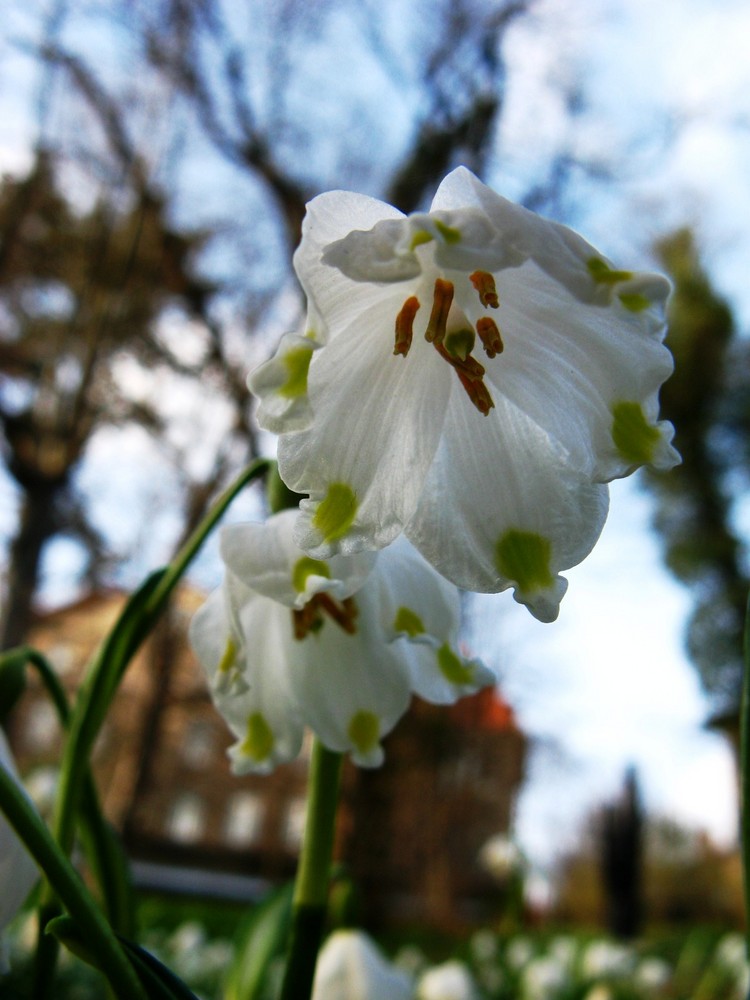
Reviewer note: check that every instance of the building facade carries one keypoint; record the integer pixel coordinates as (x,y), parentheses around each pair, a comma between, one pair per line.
(409,833)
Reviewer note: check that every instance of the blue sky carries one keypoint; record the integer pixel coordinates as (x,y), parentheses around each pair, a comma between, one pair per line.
(668,112)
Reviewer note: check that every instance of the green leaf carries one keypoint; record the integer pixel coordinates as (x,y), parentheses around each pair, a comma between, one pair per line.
(68,886)
(12,680)
(262,939)
(159,982)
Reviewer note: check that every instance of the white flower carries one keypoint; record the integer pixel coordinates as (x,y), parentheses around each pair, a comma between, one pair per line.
(542,978)
(449,981)
(599,992)
(484,946)
(519,951)
(338,645)
(500,856)
(652,973)
(606,958)
(351,967)
(495,469)
(18,873)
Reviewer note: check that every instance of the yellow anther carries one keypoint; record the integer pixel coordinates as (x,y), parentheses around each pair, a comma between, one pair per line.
(485,286)
(441,305)
(490,336)
(405,325)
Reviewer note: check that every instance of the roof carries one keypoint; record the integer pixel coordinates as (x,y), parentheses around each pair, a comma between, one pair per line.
(485,710)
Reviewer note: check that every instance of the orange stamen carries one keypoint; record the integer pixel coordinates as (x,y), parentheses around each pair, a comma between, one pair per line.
(310,618)
(441,304)
(469,366)
(306,620)
(485,286)
(337,612)
(478,393)
(490,336)
(470,374)
(405,325)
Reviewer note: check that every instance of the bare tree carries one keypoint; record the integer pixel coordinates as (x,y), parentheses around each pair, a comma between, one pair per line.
(233,83)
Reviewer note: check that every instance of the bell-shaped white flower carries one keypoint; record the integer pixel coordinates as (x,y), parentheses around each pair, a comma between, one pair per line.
(337,645)
(480,374)
(351,967)
(18,873)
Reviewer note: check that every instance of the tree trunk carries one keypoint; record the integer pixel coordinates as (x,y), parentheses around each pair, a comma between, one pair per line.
(38,524)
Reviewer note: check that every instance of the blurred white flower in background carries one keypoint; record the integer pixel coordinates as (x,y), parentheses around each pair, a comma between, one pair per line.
(449,981)
(352,967)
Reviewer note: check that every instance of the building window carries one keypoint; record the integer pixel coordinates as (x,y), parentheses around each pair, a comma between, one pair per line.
(244,819)
(41,785)
(187,819)
(42,727)
(62,657)
(294,822)
(199,745)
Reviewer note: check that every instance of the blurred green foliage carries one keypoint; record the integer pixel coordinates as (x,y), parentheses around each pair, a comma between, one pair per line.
(699,504)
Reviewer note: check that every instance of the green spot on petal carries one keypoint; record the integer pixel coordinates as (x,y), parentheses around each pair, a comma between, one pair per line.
(408,621)
(297,362)
(449,234)
(307,566)
(634,437)
(336,512)
(602,273)
(228,657)
(452,668)
(524,557)
(420,237)
(259,741)
(634,301)
(364,731)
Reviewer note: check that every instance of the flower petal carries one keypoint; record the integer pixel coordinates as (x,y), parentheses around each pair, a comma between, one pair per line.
(556,249)
(368,485)
(567,365)
(264,718)
(266,559)
(217,645)
(329,218)
(281,385)
(527,514)
(351,689)
(420,610)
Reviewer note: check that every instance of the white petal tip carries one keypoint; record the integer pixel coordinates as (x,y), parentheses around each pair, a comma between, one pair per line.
(544,605)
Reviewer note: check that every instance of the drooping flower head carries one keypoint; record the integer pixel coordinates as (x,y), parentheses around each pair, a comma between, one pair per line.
(337,645)
(473,376)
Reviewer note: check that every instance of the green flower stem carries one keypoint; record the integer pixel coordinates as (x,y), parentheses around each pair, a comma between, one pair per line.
(745,775)
(101,844)
(189,550)
(99,687)
(108,666)
(313,873)
(69,889)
